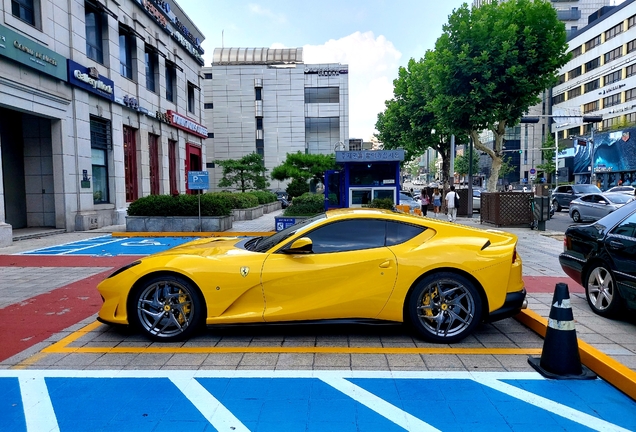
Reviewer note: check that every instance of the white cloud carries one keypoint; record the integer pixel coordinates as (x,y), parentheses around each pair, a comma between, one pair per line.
(373,65)
(259,10)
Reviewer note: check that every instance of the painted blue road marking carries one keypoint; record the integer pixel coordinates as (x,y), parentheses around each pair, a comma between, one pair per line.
(307,400)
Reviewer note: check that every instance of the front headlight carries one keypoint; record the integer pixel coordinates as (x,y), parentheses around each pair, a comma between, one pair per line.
(126,267)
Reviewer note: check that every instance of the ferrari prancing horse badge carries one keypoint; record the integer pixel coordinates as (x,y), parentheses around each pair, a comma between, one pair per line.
(245,271)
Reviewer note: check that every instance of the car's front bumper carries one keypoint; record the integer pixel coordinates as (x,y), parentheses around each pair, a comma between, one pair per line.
(515,301)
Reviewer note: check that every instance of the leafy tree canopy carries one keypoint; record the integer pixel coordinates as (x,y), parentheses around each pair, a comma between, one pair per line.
(461,163)
(246,173)
(299,166)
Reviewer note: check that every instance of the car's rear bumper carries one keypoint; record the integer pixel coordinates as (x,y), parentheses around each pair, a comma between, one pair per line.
(515,301)
(572,266)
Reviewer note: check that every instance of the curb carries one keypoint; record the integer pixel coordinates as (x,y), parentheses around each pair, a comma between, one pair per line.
(612,371)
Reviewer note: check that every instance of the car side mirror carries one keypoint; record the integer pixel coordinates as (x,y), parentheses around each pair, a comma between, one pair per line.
(303,245)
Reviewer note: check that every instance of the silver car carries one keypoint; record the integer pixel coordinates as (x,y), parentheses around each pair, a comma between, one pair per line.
(595,206)
(409,201)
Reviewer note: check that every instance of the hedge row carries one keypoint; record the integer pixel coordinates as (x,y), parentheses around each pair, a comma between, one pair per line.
(212,204)
(307,204)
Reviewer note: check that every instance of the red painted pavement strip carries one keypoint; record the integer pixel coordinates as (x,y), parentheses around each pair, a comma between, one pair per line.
(64,261)
(546,284)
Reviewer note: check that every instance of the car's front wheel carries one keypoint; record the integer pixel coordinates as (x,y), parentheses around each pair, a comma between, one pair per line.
(601,292)
(576,216)
(166,308)
(444,307)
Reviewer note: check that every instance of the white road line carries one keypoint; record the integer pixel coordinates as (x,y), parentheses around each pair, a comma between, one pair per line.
(94,245)
(63,244)
(551,406)
(38,409)
(382,407)
(215,412)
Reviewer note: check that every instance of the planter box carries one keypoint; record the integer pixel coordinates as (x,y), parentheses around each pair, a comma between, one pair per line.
(178,223)
(272,207)
(247,214)
(282,222)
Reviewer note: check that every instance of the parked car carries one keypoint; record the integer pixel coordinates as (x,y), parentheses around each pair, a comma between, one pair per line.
(409,201)
(477,200)
(595,206)
(602,258)
(345,264)
(563,195)
(623,189)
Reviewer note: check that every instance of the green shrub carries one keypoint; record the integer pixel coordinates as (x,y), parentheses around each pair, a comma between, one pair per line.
(297,187)
(264,197)
(306,205)
(382,203)
(181,205)
(240,200)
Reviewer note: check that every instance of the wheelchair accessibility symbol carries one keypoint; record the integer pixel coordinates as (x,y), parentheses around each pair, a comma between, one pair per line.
(146,242)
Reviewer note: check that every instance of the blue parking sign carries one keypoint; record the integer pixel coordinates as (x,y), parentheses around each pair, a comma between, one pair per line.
(198,180)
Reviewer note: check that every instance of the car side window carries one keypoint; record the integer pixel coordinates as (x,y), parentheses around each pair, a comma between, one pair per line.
(568,189)
(348,236)
(588,198)
(397,232)
(626,228)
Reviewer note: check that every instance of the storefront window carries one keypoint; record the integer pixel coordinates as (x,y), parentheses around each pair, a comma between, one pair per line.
(100,176)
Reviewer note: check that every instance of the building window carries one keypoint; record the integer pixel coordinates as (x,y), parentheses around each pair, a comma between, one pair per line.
(561,78)
(631,46)
(630,118)
(589,107)
(191,98)
(575,72)
(611,100)
(612,78)
(153,153)
(574,92)
(321,133)
(152,63)
(592,43)
(576,51)
(592,85)
(630,94)
(130,164)
(631,21)
(613,54)
(260,147)
(126,44)
(210,134)
(607,124)
(208,106)
(171,79)
(259,123)
(172,167)
(614,31)
(630,70)
(24,10)
(592,64)
(258,93)
(101,141)
(560,98)
(207,76)
(93,23)
(322,95)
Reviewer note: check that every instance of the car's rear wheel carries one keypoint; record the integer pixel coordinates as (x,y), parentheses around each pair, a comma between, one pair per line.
(576,216)
(556,206)
(601,292)
(166,308)
(444,307)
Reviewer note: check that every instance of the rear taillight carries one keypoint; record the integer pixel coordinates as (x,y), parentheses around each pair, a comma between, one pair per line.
(514,256)
(566,243)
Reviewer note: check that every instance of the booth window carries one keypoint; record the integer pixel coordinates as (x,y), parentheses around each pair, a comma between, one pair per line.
(24,10)
(101,141)
(372,174)
(94,37)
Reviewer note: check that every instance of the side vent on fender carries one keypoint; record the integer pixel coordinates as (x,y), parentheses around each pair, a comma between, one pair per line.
(485,245)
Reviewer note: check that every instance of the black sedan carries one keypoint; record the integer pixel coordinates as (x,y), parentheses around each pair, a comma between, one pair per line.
(602,258)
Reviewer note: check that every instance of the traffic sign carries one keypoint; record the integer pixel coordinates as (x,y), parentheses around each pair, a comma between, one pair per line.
(198,180)
(533,171)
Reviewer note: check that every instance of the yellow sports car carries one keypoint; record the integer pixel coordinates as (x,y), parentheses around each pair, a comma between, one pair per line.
(355,264)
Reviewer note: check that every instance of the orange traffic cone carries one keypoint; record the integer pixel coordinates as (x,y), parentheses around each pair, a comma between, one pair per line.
(560,357)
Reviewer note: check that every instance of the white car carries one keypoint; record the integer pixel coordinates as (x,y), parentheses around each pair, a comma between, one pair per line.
(629,190)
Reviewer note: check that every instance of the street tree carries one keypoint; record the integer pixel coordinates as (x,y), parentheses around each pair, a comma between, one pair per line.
(300,168)
(490,65)
(461,164)
(246,173)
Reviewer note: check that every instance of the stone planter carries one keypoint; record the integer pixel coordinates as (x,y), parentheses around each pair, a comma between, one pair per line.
(178,223)
(272,207)
(247,214)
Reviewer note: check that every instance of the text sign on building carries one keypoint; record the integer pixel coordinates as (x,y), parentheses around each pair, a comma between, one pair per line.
(184,123)
(198,180)
(29,53)
(90,80)
(370,156)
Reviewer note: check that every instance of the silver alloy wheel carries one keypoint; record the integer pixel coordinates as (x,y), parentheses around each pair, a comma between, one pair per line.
(576,216)
(600,288)
(446,308)
(165,309)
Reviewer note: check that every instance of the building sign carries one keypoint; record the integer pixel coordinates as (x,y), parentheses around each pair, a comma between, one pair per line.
(181,122)
(29,53)
(370,156)
(322,71)
(90,80)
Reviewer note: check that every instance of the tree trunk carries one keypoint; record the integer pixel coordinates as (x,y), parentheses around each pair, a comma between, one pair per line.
(496,154)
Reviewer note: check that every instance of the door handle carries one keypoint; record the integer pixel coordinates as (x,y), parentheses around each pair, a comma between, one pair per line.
(385,264)
(616,245)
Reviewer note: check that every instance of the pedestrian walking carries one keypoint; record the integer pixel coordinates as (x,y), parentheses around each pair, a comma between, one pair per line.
(451,204)
(437,201)
(425,201)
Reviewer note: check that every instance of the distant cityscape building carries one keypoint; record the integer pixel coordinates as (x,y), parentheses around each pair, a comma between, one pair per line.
(268,101)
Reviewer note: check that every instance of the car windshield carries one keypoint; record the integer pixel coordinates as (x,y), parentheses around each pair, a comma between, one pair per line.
(266,243)
(619,198)
(585,189)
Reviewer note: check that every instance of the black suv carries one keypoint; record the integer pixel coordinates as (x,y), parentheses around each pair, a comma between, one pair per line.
(562,195)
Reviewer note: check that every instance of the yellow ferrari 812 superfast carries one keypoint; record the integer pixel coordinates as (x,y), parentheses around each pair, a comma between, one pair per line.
(440,278)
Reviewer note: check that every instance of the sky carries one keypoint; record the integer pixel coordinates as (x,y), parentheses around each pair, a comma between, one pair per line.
(373,37)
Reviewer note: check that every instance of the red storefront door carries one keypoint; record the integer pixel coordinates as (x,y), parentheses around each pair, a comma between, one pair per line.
(192,161)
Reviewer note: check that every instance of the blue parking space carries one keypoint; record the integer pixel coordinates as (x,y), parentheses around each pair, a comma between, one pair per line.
(307,401)
(113,246)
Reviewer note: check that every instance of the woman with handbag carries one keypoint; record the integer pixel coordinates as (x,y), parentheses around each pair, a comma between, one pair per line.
(425,201)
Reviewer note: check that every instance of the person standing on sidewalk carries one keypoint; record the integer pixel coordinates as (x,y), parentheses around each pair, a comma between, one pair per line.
(451,201)
(425,201)
(437,201)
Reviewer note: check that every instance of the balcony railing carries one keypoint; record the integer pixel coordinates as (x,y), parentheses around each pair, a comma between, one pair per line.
(569,14)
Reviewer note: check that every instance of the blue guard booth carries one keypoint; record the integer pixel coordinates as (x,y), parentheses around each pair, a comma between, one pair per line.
(365,175)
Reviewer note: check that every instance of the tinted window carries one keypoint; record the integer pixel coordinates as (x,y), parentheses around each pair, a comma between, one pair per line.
(397,233)
(348,235)
(627,227)
(587,198)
